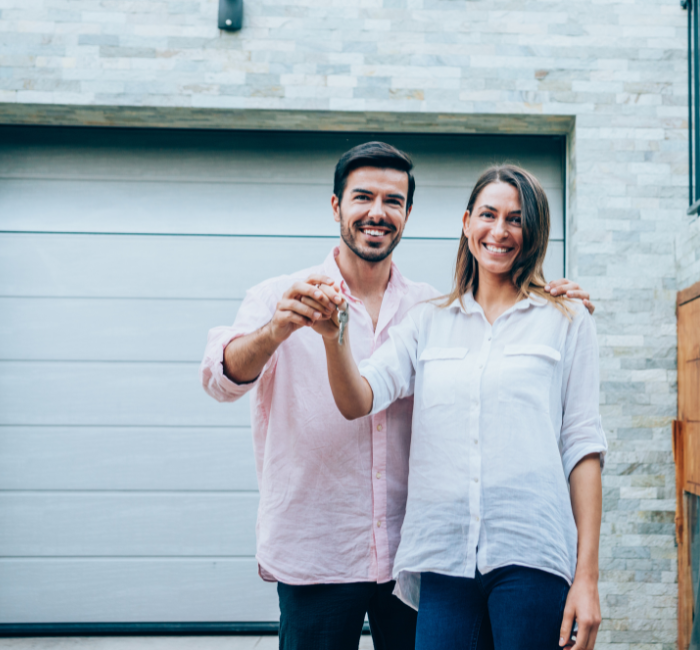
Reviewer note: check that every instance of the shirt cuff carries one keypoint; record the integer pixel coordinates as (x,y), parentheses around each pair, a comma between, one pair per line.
(215,382)
(380,399)
(596,444)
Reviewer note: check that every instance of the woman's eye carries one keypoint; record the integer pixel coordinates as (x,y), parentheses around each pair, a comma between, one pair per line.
(516,220)
(488,215)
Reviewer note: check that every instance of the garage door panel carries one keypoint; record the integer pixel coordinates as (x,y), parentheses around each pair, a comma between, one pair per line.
(63,524)
(223,156)
(134,590)
(180,267)
(131,458)
(117,394)
(113,329)
(231,208)
(164,329)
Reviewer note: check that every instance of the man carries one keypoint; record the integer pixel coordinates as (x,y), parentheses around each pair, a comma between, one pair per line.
(332,492)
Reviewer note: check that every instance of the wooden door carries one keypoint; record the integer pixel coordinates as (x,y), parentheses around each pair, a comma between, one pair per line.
(686,444)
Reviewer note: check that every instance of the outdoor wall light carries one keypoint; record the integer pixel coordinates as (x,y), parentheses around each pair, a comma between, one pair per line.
(230,15)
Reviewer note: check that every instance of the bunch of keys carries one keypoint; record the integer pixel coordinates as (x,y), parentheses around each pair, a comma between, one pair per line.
(343,318)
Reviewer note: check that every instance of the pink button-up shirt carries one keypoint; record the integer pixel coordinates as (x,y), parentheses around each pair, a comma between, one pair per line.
(332,492)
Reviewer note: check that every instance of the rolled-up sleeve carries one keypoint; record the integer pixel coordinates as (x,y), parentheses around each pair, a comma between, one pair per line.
(253,313)
(390,371)
(582,430)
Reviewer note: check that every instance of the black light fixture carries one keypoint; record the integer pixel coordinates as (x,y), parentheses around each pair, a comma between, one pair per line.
(230,15)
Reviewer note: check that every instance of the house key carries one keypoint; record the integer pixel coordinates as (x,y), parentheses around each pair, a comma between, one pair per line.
(343,318)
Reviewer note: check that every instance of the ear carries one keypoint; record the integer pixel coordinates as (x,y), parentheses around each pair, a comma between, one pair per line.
(465,223)
(408,214)
(335,204)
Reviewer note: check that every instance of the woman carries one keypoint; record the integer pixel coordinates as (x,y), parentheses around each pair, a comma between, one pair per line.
(500,539)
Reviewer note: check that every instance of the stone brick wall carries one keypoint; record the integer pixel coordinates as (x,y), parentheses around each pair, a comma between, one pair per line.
(688,253)
(616,69)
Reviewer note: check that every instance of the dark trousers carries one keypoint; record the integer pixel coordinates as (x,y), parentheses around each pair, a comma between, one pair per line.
(511,608)
(330,617)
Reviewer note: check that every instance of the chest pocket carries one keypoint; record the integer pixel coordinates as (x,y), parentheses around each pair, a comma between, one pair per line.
(440,374)
(526,374)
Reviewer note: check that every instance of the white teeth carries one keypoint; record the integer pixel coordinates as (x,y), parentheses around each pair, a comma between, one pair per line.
(493,249)
(374,233)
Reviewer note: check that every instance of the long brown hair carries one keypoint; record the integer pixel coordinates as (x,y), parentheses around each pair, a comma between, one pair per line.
(527,273)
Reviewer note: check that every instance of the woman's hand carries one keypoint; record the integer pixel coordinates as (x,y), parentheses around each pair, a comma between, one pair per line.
(326,299)
(328,327)
(583,606)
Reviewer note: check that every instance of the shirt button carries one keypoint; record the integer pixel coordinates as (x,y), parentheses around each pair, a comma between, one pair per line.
(476,479)
(379,427)
(379,524)
(476,518)
(481,365)
(379,475)
(488,338)
(476,441)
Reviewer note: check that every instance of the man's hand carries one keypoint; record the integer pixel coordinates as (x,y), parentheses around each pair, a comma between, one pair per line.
(582,605)
(302,305)
(570,290)
(328,325)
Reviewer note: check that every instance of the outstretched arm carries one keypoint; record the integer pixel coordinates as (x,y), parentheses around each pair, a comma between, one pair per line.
(246,356)
(351,391)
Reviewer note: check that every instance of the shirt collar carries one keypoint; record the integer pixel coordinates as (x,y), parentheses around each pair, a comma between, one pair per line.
(397,283)
(471,306)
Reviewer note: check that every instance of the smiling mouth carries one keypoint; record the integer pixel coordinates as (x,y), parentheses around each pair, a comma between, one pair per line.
(373,232)
(496,249)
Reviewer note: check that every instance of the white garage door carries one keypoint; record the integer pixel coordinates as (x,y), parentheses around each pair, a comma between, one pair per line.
(127,494)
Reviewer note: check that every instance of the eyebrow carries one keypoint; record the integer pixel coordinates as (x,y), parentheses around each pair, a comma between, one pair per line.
(490,207)
(359,190)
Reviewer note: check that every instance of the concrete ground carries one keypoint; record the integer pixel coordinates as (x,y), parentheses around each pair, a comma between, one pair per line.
(152,643)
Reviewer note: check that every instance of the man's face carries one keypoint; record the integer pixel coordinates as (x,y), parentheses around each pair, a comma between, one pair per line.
(372,213)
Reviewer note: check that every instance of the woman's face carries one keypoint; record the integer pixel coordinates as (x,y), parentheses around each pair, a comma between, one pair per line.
(494,228)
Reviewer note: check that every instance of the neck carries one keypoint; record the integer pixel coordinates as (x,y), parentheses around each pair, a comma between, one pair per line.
(496,293)
(362,277)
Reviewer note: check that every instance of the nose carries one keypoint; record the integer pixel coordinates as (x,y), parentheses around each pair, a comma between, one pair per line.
(377,208)
(500,228)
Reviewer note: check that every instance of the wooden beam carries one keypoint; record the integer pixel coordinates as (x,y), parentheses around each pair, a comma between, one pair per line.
(679,457)
(686,295)
(685,587)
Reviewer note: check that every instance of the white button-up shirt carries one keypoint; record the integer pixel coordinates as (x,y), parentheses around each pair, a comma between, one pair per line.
(502,414)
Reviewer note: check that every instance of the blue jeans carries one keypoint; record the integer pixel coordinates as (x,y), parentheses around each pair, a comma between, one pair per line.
(511,608)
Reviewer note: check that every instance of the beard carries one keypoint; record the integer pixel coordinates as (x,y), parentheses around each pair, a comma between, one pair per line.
(370,252)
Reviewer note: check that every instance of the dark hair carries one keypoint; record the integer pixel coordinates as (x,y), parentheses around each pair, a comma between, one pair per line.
(373,154)
(527,274)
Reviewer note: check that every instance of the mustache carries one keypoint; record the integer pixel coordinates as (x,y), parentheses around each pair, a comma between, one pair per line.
(375,224)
